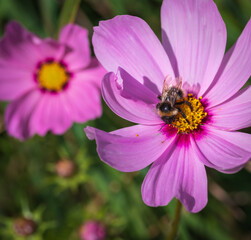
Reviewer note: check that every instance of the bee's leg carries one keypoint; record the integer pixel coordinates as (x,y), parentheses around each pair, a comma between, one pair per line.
(189,105)
(166,120)
(186,102)
(162,126)
(159,97)
(183,115)
(179,103)
(157,106)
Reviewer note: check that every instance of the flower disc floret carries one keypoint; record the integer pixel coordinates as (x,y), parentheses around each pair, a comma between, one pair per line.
(194,115)
(52,76)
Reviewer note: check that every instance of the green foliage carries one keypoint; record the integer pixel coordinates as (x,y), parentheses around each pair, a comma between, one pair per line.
(30,187)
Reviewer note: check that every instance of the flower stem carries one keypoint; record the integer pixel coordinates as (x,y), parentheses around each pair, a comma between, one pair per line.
(47,8)
(68,12)
(175,224)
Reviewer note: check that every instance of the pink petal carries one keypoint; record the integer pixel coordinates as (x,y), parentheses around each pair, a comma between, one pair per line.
(128,42)
(22,49)
(83,99)
(194,37)
(225,151)
(76,38)
(17,47)
(234,70)
(51,49)
(177,173)
(234,114)
(94,73)
(14,82)
(130,149)
(19,113)
(130,99)
(52,114)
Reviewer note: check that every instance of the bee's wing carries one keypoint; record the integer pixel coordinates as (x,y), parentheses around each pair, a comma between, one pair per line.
(167,82)
(179,82)
(166,85)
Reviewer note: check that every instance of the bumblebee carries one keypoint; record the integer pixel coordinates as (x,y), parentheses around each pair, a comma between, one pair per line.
(171,98)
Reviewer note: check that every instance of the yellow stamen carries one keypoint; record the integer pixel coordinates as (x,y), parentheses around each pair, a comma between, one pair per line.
(194,117)
(52,76)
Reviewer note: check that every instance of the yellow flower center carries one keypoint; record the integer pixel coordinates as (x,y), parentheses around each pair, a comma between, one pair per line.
(194,117)
(52,76)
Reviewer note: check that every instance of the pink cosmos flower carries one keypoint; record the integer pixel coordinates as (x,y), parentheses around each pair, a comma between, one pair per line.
(50,83)
(194,40)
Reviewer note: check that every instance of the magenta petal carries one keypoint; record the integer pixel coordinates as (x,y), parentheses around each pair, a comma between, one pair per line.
(83,100)
(18,47)
(235,113)
(128,42)
(13,83)
(82,95)
(93,73)
(225,151)
(234,70)
(76,38)
(19,113)
(130,99)
(52,114)
(177,173)
(51,49)
(22,49)
(58,115)
(194,37)
(130,149)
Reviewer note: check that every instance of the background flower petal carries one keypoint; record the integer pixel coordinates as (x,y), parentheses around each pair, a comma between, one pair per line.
(130,149)
(93,73)
(177,173)
(19,113)
(234,71)
(76,38)
(52,114)
(128,42)
(234,114)
(130,99)
(24,50)
(17,47)
(83,100)
(51,49)
(224,151)
(14,82)
(194,37)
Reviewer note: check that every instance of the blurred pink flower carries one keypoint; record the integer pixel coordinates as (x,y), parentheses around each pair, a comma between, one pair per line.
(194,40)
(50,83)
(92,230)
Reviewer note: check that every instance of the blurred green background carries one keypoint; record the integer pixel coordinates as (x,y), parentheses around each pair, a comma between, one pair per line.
(30,186)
